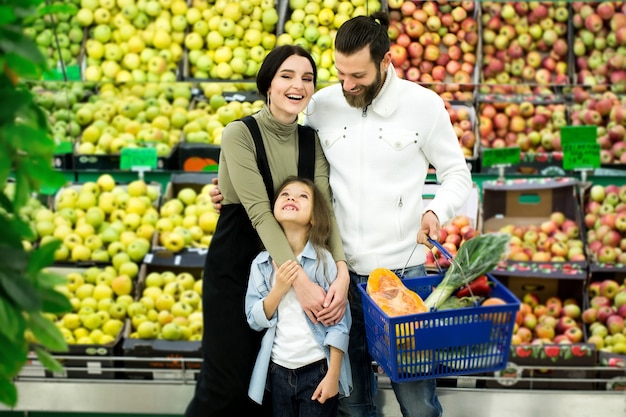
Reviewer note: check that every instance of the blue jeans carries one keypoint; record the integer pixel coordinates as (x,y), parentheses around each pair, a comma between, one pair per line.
(292,389)
(416,398)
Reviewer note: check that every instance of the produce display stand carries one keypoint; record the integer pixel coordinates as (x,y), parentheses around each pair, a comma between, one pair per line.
(166,396)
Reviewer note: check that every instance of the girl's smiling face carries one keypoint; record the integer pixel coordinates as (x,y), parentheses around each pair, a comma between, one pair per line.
(294,204)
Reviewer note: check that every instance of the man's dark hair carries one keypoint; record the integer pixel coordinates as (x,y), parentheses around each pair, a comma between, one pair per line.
(274,60)
(361,31)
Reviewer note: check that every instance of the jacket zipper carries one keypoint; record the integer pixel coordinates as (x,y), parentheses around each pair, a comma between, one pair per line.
(364,114)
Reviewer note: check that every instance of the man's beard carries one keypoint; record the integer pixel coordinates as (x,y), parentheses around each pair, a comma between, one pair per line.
(367,96)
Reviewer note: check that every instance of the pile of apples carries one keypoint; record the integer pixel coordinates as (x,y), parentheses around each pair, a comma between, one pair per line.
(101,221)
(133,40)
(451,236)
(607,111)
(525,42)
(435,42)
(169,307)
(228,40)
(557,239)
(313,25)
(599,42)
(533,127)
(133,115)
(99,297)
(59,36)
(606,314)
(188,219)
(208,115)
(61,101)
(462,118)
(555,321)
(605,221)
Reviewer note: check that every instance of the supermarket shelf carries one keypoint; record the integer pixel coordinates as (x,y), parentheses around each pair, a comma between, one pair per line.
(168,391)
(143,397)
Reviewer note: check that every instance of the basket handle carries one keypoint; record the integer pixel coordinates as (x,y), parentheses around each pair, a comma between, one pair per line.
(449,257)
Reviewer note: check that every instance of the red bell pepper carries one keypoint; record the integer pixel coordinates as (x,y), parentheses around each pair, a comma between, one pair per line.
(479,288)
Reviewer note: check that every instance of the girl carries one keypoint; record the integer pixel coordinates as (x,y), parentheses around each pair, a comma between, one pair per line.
(306,370)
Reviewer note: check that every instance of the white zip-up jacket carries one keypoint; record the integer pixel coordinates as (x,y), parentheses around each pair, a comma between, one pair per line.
(379,158)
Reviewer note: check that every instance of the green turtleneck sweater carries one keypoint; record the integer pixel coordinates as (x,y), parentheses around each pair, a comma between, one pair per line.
(241,182)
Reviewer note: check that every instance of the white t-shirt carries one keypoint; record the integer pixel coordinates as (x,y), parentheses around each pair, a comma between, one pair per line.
(294,343)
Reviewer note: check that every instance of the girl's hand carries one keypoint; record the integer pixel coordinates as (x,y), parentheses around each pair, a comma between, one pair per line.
(285,275)
(327,388)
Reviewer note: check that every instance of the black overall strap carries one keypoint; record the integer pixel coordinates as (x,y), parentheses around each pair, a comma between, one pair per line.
(261,156)
(306,157)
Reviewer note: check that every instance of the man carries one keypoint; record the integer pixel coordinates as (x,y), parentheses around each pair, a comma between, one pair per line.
(380,142)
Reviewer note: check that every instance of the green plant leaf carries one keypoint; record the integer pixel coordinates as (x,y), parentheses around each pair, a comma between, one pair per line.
(19,98)
(45,279)
(53,301)
(22,66)
(14,356)
(6,15)
(10,237)
(20,290)
(8,391)
(46,332)
(47,360)
(5,203)
(13,40)
(42,257)
(30,140)
(13,323)
(22,188)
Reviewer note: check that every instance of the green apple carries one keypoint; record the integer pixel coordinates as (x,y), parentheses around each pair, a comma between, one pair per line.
(102,291)
(117,310)
(171,331)
(112,327)
(164,302)
(91,321)
(136,307)
(147,330)
(191,297)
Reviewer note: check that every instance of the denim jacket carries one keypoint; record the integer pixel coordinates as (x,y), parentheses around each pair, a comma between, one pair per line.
(336,335)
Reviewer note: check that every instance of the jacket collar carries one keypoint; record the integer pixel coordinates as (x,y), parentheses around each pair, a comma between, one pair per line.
(307,252)
(386,102)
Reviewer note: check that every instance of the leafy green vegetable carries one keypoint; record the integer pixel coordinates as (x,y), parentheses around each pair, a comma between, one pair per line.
(475,257)
(454,302)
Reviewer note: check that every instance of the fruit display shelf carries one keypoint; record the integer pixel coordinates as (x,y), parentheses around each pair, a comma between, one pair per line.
(460,396)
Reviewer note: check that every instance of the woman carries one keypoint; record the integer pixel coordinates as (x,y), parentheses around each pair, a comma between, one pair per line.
(246,225)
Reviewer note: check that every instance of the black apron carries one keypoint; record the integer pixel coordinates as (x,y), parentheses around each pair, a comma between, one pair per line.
(229,345)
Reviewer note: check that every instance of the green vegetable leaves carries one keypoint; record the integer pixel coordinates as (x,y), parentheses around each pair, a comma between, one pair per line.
(474,258)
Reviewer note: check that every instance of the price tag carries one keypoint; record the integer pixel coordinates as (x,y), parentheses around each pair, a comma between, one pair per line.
(579,134)
(580,147)
(582,155)
(56,74)
(501,156)
(138,159)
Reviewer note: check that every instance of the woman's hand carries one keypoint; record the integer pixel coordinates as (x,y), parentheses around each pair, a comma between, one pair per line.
(337,297)
(310,295)
(216,196)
